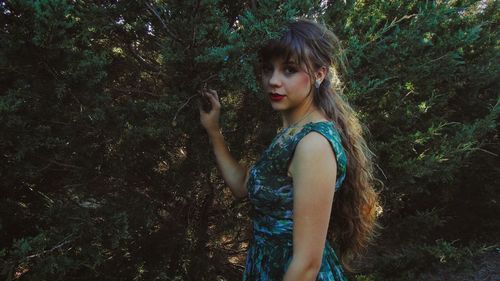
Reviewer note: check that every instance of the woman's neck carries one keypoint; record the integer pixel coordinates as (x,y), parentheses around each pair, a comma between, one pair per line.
(300,117)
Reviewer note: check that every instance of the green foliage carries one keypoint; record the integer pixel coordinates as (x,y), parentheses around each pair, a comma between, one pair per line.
(422,75)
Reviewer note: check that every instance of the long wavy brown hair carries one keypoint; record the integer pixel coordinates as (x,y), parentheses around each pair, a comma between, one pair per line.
(353,223)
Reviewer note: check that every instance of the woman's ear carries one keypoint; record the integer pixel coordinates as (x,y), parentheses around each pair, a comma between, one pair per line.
(321,74)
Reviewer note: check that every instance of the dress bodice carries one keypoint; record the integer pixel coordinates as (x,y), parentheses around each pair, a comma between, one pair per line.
(270,191)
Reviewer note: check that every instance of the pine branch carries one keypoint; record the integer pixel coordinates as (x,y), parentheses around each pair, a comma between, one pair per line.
(165,26)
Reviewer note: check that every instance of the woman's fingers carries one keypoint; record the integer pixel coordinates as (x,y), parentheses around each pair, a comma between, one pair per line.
(214,92)
(214,98)
(211,92)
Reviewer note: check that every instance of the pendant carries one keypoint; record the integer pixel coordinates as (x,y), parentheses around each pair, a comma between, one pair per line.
(292,131)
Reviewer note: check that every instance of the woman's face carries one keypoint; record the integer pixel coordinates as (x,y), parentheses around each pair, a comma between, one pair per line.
(286,83)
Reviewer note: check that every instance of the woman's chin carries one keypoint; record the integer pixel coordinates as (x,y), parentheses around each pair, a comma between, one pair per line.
(276,107)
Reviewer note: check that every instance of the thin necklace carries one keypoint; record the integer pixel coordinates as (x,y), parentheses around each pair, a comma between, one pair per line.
(295,124)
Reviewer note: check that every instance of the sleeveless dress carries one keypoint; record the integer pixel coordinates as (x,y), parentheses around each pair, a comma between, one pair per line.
(270,191)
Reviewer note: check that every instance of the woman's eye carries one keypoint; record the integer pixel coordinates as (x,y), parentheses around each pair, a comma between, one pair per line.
(290,70)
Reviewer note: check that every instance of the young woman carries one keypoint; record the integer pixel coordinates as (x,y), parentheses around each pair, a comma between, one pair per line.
(313,183)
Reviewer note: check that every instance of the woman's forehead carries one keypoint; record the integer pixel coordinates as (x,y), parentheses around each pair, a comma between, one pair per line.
(292,59)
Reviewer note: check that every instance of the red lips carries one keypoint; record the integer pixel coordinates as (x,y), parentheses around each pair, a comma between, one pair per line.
(276,97)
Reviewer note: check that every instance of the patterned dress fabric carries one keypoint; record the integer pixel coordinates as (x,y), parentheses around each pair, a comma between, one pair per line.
(270,191)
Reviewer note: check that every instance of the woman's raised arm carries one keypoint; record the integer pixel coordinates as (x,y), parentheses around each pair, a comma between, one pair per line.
(234,174)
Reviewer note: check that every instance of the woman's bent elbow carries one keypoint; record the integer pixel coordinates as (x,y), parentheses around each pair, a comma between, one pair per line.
(241,194)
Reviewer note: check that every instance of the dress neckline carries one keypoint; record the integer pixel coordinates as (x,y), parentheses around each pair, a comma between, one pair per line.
(322,121)
(299,129)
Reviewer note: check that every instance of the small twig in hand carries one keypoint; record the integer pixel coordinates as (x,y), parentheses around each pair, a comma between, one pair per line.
(204,82)
(182,106)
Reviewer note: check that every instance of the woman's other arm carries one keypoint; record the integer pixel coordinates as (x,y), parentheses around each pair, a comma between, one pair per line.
(314,170)
(234,174)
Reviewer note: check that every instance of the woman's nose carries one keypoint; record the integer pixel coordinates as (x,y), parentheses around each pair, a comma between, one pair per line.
(274,80)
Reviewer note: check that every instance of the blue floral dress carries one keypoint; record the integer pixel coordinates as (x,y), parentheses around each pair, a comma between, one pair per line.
(270,191)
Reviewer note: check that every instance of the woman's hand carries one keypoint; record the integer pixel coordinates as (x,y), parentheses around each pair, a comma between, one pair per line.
(210,120)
